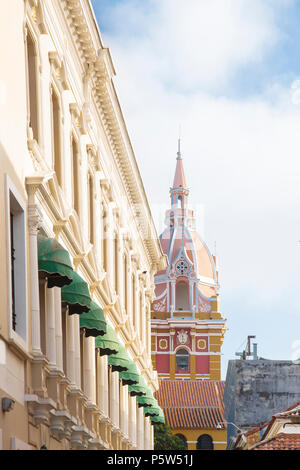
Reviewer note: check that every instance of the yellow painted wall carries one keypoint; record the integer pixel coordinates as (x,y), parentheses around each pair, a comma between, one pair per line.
(219,437)
(215,360)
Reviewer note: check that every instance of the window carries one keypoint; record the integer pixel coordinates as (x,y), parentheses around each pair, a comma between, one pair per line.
(182,267)
(75,175)
(109,391)
(32,94)
(182,360)
(91,207)
(182,296)
(12,257)
(64,317)
(121,402)
(125,282)
(205,442)
(43,315)
(147,328)
(17,265)
(116,266)
(56,136)
(141,315)
(112,259)
(82,371)
(104,237)
(97,377)
(133,300)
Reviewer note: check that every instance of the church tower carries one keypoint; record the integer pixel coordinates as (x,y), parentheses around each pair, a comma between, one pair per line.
(186,323)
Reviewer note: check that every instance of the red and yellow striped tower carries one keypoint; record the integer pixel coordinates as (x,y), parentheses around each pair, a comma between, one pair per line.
(188,327)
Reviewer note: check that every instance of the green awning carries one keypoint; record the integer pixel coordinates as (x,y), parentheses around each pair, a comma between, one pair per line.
(160,419)
(93,322)
(108,343)
(55,262)
(140,389)
(151,411)
(146,400)
(120,362)
(131,376)
(77,295)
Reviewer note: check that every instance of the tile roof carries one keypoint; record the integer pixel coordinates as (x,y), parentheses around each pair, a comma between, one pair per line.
(261,432)
(191,403)
(293,410)
(282,441)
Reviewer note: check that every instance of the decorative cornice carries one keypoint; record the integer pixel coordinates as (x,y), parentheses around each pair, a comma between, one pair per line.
(102,72)
(58,226)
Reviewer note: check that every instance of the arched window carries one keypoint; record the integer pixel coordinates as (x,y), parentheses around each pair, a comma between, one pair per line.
(183,438)
(32,85)
(56,135)
(91,207)
(75,176)
(182,360)
(205,442)
(182,296)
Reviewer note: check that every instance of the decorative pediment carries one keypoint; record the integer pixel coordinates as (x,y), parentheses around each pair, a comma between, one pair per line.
(203,304)
(181,257)
(160,303)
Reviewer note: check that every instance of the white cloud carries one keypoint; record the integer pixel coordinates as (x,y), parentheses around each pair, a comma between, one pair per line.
(241,156)
(192,44)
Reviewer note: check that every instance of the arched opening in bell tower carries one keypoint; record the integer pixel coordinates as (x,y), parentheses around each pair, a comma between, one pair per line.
(182,360)
(182,296)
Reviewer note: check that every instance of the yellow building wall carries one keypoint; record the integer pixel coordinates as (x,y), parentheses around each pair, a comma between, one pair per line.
(219,437)
(215,359)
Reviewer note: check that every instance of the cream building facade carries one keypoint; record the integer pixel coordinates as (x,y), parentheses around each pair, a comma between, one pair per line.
(71,195)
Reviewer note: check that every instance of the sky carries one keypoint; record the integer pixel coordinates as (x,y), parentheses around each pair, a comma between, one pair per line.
(224,75)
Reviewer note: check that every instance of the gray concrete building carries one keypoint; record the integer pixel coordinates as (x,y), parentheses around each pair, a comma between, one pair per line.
(257,389)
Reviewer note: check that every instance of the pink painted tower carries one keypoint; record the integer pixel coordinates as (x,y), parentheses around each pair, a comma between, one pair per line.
(187,326)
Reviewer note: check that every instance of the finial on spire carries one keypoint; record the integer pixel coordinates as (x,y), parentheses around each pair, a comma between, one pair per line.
(178,152)
(179,142)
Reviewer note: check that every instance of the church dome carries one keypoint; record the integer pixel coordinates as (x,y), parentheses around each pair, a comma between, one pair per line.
(187,253)
(177,243)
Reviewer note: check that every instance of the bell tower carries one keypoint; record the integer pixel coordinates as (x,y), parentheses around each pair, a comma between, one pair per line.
(186,323)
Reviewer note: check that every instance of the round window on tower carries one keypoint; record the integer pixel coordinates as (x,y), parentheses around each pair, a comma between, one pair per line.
(182,267)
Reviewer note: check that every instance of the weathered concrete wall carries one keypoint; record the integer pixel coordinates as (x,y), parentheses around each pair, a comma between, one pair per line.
(256,390)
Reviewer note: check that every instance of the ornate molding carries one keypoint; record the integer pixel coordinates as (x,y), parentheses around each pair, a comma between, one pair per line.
(101,71)
(34,220)
(61,423)
(80,436)
(40,408)
(78,259)
(59,226)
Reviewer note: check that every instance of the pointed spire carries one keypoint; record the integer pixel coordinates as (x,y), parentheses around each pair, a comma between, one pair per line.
(179,178)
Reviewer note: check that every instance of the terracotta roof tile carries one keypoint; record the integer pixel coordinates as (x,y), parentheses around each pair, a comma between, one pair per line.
(191,403)
(283,441)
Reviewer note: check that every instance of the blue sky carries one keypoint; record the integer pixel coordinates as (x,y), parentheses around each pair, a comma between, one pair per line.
(226,72)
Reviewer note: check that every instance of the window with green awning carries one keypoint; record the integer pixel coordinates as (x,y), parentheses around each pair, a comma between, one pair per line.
(93,322)
(54,262)
(147,400)
(159,419)
(77,296)
(107,344)
(120,362)
(139,389)
(151,411)
(131,376)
